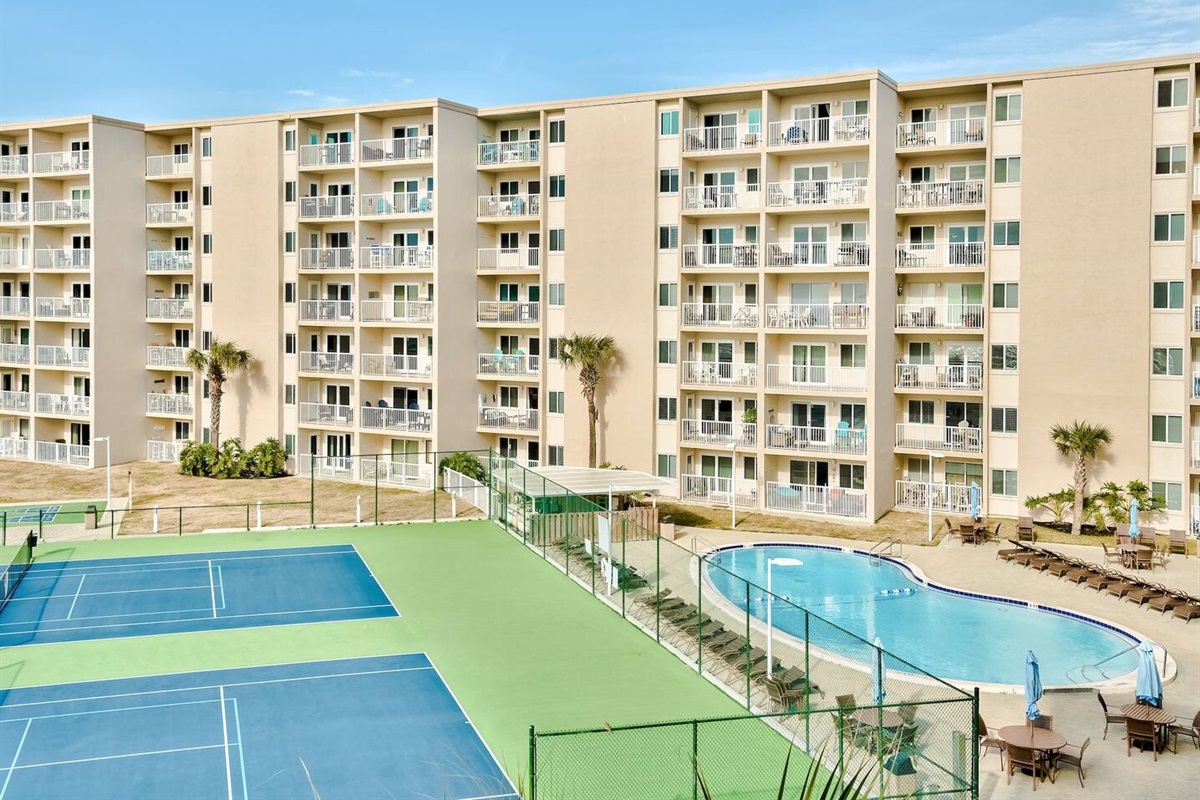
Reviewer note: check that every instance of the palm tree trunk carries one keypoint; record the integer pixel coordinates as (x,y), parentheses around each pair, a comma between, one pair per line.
(1080,476)
(215,390)
(591,401)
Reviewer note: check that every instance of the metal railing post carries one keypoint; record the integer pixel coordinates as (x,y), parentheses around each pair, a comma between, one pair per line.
(695,759)
(532,763)
(974,747)
(312,490)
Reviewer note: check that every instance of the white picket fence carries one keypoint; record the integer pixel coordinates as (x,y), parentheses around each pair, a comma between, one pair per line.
(466,489)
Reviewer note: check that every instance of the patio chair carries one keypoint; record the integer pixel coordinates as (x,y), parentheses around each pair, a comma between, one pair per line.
(1192,732)
(1110,555)
(1024,758)
(1139,730)
(1109,716)
(1168,602)
(1065,758)
(988,739)
(1177,543)
(1187,612)
(781,694)
(1045,722)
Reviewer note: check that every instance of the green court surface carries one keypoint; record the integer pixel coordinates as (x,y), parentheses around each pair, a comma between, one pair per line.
(518,643)
(68,512)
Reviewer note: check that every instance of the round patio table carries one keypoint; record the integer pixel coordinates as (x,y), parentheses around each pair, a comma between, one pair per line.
(1042,740)
(1146,713)
(870,717)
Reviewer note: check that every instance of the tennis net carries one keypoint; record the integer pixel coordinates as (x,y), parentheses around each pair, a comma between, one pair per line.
(11,577)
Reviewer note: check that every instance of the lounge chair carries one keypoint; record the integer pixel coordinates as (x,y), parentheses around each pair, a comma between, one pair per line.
(1122,588)
(1177,543)
(1080,575)
(1193,732)
(1109,716)
(720,641)
(1065,758)
(988,739)
(1143,596)
(1009,553)
(653,599)
(1187,612)
(1167,602)
(1139,730)
(1024,758)
(781,694)
(1101,580)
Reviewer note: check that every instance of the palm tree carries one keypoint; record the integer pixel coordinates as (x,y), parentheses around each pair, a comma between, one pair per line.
(217,364)
(594,355)
(1081,441)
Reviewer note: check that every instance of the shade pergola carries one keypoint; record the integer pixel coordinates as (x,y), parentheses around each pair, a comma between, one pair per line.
(563,481)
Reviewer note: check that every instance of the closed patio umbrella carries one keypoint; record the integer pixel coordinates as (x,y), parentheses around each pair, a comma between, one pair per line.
(878,673)
(975,501)
(1033,686)
(1149,684)
(1134,530)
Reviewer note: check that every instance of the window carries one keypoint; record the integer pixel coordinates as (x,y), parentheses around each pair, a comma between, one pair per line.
(668,237)
(289,444)
(1008,108)
(668,409)
(668,351)
(554,452)
(206,195)
(1004,482)
(558,132)
(668,123)
(1006,234)
(668,295)
(289,344)
(557,402)
(1172,93)
(289,241)
(668,181)
(289,140)
(1168,295)
(204,389)
(205,435)
(206,152)
(205,343)
(1007,170)
(1005,295)
(1168,493)
(1166,361)
(558,240)
(289,191)
(558,186)
(206,292)
(289,394)
(920,412)
(1170,160)
(665,468)
(289,292)
(750,468)
(1004,357)
(1166,429)
(552,345)
(1168,227)
(206,244)
(1004,419)
(557,294)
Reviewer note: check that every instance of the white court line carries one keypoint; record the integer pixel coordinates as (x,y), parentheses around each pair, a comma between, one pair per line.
(71,610)
(122,755)
(221,582)
(475,730)
(119,710)
(377,581)
(101,594)
(212,589)
(492,796)
(16,755)
(225,738)
(206,609)
(237,721)
(69,573)
(167,565)
(186,619)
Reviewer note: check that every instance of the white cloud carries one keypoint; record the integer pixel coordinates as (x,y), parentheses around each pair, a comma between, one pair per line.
(301,92)
(366,73)
(319,99)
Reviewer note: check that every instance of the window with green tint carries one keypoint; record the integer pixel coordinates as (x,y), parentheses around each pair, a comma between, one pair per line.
(668,409)
(1168,227)
(1004,357)
(1166,361)
(1007,169)
(1168,493)
(668,123)
(1005,295)
(1004,482)
(1008,108)
(667,351)
(1168,295)
(668,237)
(1006,233)
(1166,429)
(1170,159)
(665,467)
(558,240)
(668,295)
(556,402)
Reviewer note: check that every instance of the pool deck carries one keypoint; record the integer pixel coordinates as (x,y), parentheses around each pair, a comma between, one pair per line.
(1077,715)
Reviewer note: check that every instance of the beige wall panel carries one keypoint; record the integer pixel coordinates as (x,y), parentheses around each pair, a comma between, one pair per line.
(1167,395)
(1006,138)
(1170,194)
(1006,202)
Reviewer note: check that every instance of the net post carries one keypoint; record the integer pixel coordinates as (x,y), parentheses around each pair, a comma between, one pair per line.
(699,615)
(41,533)
(434,483)
(748,645)
(808,686)
(657,583)
(112,523)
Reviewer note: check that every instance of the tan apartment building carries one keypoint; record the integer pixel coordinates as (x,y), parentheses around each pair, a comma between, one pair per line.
(834,295)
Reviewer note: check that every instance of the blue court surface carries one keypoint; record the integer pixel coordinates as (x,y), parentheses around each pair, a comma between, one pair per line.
(383,727)
(61,601)
(30,515)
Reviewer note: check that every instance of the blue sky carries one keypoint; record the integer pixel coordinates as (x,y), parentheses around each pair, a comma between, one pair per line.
(155,61)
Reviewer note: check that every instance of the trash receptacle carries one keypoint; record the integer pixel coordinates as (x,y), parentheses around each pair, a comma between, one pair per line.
(90,518)
(666,528)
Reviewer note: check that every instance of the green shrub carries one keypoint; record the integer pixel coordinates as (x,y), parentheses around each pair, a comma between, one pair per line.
(197,459)
(267,459)
(466,463)
(231,459)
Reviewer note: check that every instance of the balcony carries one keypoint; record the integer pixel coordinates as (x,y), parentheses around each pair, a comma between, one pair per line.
(168,213)
(413,420)
(63,258)
(744,196)
(14,354)
(508,259)
(62,211)
(14,306)
(714,433)
(720,491)
(510,205)
(66,161)
(852,128)
(63,308)
(327,363)
(75,455)
(836,316)
(508,419)
(409,148)
(940,377)
(387,365)
(64,405)
(1195,453)
(1196,319)
(948,498)
(326,258)
(169,261)
(528,151)
(339,207)
(167,452)
(823,255)
(70,357)
(720,256)
(943,132)
(803,378)
(14,165)
(14,213)
(941,255)
(830,500)
(407,312)
(722,138)
(14,448)
(326,414)
(14,258)
(335,154)
(396,473)
(803,439)
(507,313)
(939,194)
(177,165)
(953,439)
(332,311)
(809,194)
(168,308)
(1196,246)
(14,402)
(719,373)
(172,405)
(173,358)
(388,257)
(397,204)
(719,315)
(508,365)
(944,316)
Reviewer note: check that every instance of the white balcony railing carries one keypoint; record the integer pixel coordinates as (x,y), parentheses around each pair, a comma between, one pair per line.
(972,131)
(326,310)
(720,256)
(62,211)
(171,165)
(169,261)
(14,353)
(414,420)
(800,438)
(955,316)
(722,138)
(832,500)
(1196,319)
(168,308)
(718,434)
(169,404)
(497,259)
(337,207)
(953,377)
(75,357)
(722,198)
(410,312)
(528,151)
(388,365)
(510,205)
(14,258)
(327,363)
(14,165)
(719,315)
(801,132)
(508,365)
(1196,246)
(801,377)
(14,306)
(167,357)
(719,373)
(164,451)
(837,192)
(409,148)
(63,307)
(396,204)
(332,154)
(386,256)
(1196,384)
(76,455)
(952,498)
(326,414)
(940,255)
(66,161)
(508,419)
(14,402)
(396,473)
(719,491)
(64,258)
(507,312)
(64,405)
(827,315)
(1195,453)
(14,212)
(14,448)
(326,258)
(168,213)
(955,439)
(939,194)
(818,254)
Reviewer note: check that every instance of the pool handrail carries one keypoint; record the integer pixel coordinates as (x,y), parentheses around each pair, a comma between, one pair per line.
(878,549)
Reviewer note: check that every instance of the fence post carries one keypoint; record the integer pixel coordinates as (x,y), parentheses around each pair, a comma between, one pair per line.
(358,509)
(695,759)
(657,583)
(699,615)
(112,524)
(747,644)
(807,687)
(3,528)
(258,512)
(624,564)
(974,750)
(312,490)
(376,488)
(247,516)
(532,763)
(155,529)
(41,535)
(181,520)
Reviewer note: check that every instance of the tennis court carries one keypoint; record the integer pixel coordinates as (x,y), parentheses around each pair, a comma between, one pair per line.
(49,513)
(383,727)
(61,601)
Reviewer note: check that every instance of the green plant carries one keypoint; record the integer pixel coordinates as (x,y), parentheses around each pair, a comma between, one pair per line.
(217,364)
(750,415)
(231,459)
(267,459)
(465,463)
(197,459)
(816,784)
(1114,503)
(1056,504)
(1082,442)
(594,356)
(609,465)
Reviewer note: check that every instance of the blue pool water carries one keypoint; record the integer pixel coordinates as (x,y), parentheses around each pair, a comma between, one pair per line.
(953,637)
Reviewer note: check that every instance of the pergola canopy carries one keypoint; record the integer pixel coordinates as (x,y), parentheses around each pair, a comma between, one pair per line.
(561,481)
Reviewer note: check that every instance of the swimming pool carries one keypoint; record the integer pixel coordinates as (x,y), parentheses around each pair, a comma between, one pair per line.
(954,637)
